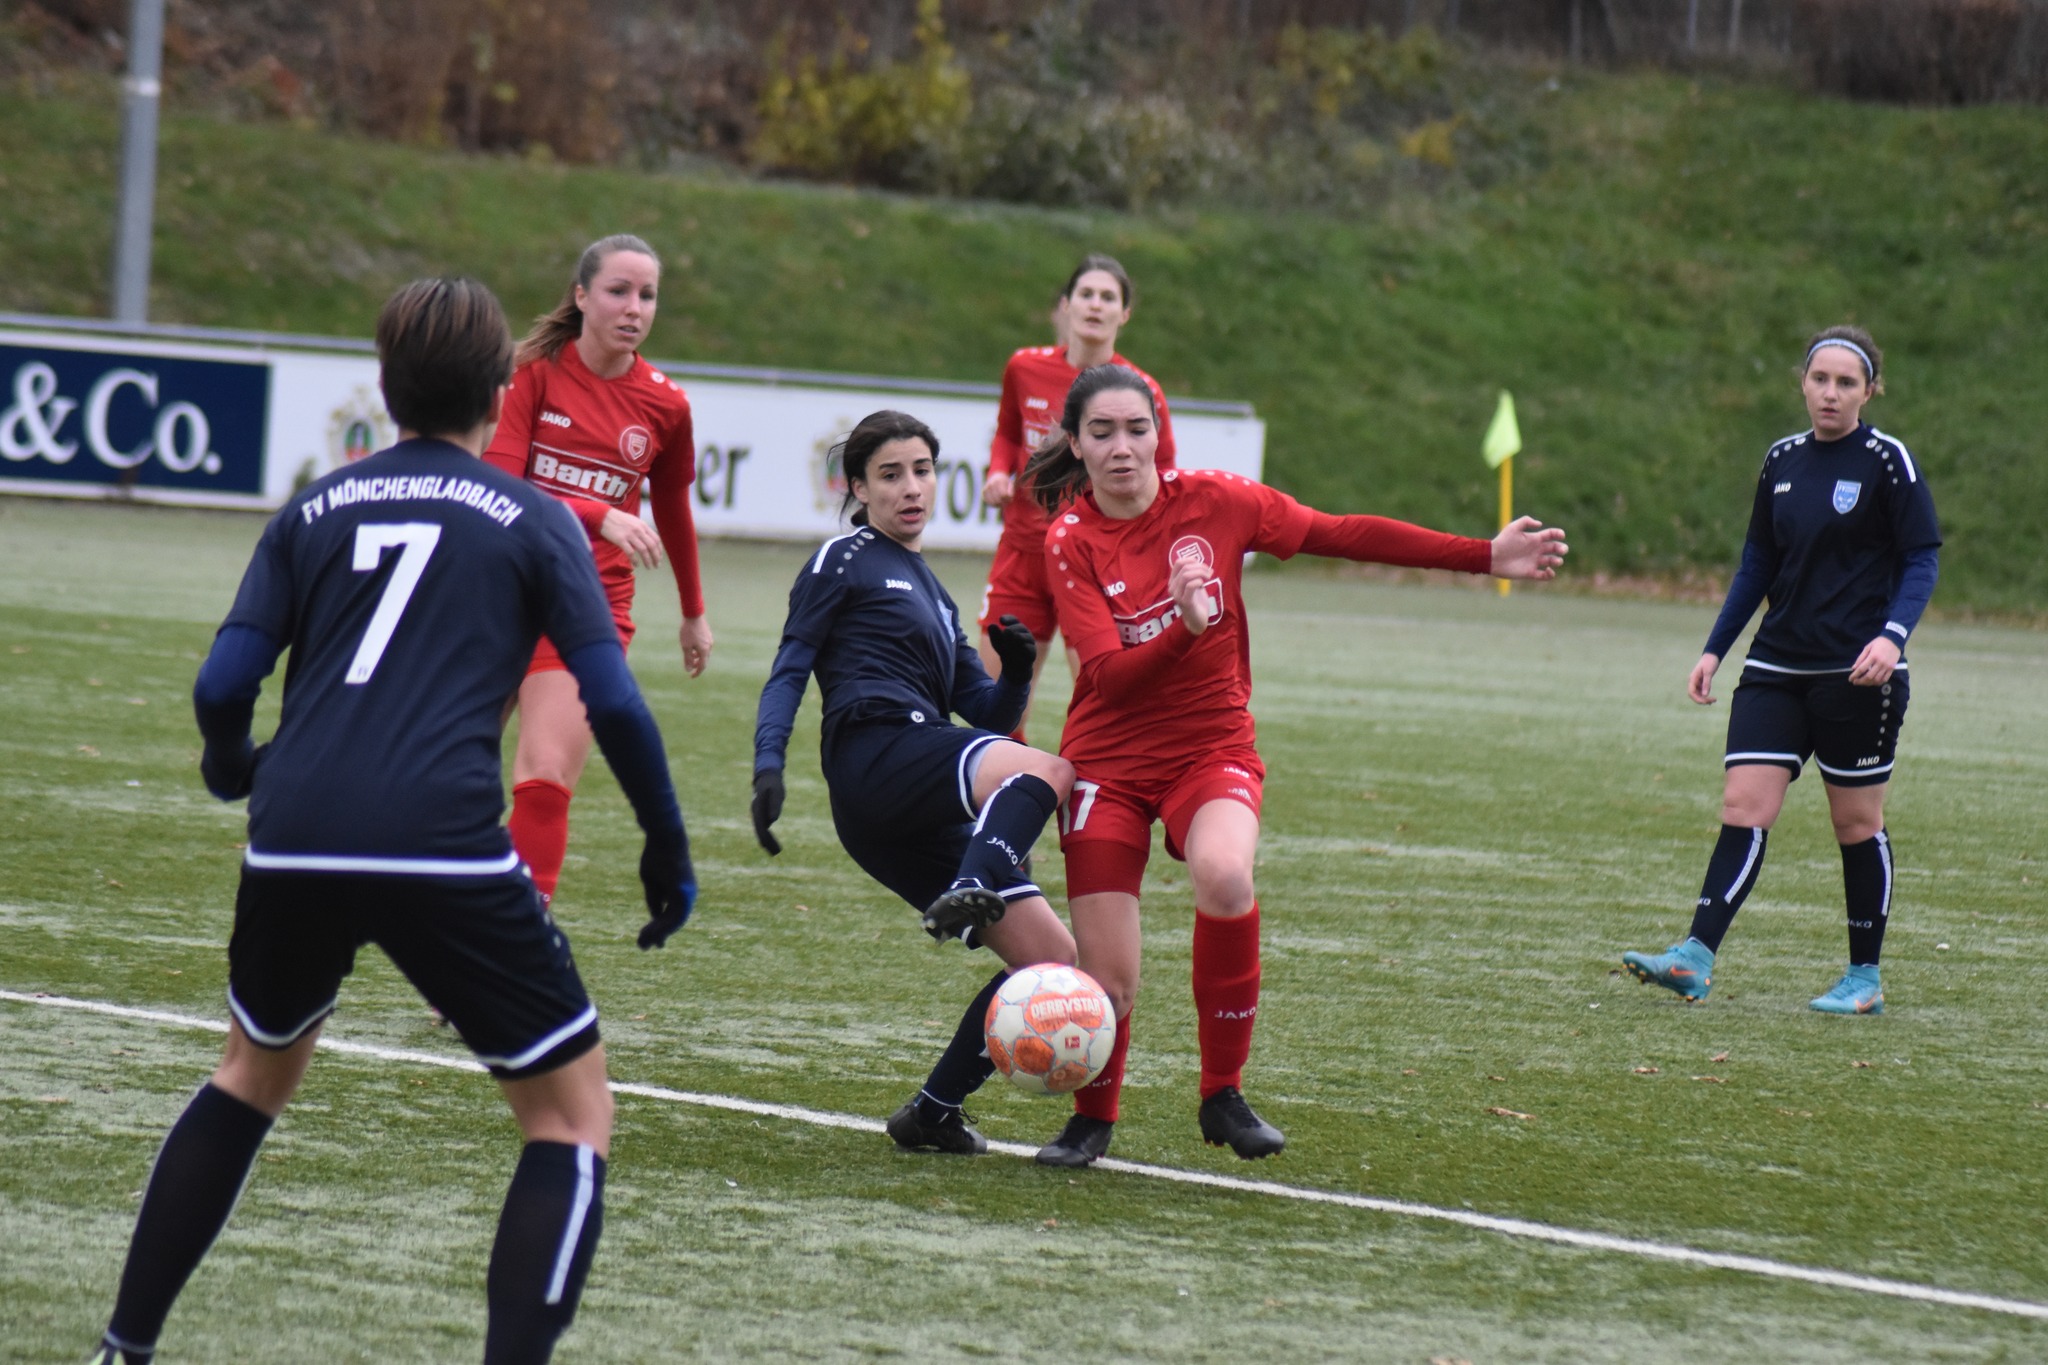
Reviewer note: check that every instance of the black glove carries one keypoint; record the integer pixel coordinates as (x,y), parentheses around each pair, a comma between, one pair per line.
(768,795)
(1012,642)
(230,776)
(671,886)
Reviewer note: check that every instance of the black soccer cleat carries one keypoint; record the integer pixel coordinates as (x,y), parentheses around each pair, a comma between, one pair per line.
(1227,1121)
(963,905)
(1079,1143)
(913,1132)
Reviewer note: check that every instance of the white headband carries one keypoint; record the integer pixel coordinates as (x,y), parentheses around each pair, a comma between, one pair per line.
(1869,370)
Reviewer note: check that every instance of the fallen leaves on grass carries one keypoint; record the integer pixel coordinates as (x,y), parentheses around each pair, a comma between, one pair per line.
(1410,1071)
(1496,1078)
(1718,1057)
(1509,1113)
(1860,1066)
(1646,1071)
(1711,1080)
(88,751)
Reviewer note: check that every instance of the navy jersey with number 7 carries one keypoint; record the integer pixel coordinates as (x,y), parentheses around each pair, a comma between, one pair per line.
(410,589)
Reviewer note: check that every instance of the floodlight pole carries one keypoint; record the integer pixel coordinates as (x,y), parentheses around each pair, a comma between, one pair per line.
(134,219)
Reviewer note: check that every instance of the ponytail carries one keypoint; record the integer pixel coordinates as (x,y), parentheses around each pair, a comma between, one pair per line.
(1055,474)
(553,330)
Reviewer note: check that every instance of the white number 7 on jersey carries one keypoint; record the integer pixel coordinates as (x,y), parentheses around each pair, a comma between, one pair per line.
(417,539)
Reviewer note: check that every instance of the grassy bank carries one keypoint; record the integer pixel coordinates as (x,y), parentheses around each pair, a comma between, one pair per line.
(1643,288)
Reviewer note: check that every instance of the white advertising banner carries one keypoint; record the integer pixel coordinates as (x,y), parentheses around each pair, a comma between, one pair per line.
(229,423)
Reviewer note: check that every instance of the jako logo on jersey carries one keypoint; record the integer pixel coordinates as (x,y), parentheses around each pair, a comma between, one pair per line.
(1116,589)
(555,419)
(634,443)
(1036,403)
(897,584)
(1782,488)
(601,484)
(1846,492)
(1870,762)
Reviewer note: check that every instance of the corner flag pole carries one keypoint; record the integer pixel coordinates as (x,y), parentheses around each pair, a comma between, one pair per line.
(1503,442)
(1507,505)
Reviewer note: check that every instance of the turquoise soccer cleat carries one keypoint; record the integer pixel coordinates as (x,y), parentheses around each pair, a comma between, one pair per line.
(1858,992)
(1687,968)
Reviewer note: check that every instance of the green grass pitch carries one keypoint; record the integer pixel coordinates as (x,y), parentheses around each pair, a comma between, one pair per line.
(1475,805)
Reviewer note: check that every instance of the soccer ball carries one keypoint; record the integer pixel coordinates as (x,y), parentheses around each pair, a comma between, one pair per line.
(1050,1029)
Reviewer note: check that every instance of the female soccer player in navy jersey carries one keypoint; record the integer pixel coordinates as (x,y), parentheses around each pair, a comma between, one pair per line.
(1843,542)
(1147,567)
(941,814)
(1092,309)
(588,420)
(410,590)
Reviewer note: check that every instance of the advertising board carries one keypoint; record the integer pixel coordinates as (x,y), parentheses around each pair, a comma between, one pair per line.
(237,419)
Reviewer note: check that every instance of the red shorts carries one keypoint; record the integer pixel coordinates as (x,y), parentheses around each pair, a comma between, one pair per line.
(1106,825)
(1017,587)
(547,660)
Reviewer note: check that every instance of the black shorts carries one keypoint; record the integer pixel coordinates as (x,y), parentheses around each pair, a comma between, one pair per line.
(903,804)
(1850,732)
(482,950)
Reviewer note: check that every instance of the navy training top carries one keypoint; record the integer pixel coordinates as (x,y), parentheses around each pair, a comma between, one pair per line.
(411,588)
(1833,530)
(872,620)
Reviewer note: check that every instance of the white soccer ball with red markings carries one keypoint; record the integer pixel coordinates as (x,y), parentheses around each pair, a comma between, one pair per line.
(1050,1029)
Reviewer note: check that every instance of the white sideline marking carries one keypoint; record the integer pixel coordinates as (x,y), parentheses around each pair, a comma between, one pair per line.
(1507,1227)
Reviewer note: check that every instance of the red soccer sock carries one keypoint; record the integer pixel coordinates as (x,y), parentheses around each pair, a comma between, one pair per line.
(1098,1099)
(540,830)
(1226,981)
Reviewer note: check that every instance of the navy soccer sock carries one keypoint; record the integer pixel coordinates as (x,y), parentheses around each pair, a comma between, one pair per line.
(198,1176)
(1867,886)
(964,1065)
(1731,875)
(547,1234)
(1009,825)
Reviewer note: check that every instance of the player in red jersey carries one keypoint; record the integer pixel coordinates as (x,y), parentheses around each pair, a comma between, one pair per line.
(589,420)
(1090,311)
(1147,567)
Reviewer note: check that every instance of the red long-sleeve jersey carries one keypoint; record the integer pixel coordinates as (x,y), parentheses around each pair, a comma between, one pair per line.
(1152,696)
(592,442)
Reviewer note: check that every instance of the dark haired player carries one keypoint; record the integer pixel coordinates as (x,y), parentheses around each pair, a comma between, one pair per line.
(410,589)
(941,814)
(1843,541)
(1148,567)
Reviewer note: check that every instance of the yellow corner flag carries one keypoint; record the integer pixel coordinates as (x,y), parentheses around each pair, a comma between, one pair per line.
(1504,437)
(1503,441)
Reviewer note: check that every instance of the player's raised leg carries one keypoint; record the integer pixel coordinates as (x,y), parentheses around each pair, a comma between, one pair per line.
(1015,789)
(196,1182)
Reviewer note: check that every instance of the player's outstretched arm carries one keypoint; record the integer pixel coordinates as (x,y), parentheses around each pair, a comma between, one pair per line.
(224,701)
(1526,548)
(631,744)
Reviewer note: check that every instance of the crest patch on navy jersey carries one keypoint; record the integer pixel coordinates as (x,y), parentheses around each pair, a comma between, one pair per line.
(1846,493)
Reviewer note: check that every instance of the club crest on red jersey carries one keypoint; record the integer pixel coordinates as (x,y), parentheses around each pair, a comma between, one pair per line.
(1191,550)
(634,443)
